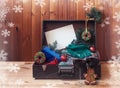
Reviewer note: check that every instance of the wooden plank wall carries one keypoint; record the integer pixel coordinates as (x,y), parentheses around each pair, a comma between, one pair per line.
(26,40)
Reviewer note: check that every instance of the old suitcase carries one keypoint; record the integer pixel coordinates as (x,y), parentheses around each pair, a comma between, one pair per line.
(79,67)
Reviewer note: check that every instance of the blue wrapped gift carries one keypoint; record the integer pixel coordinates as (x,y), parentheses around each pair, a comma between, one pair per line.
(50,54)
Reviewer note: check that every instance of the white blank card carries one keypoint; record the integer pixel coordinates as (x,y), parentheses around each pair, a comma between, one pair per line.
(63,35)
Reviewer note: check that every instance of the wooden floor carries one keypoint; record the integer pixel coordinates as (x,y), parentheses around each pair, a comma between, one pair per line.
(13,76)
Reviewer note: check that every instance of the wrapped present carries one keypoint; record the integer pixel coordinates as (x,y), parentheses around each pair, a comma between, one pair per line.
(50,54)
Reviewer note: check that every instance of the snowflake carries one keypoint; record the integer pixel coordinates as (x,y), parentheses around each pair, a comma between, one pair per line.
(76,1)
(3,77)
(13,67)
(88,6)
(40,2)
(117,16)
(11,24)
(117,29)
(115,62)
(3,3)
(117,44)
(17,8)
(5,33)
(3,14)
(19,82)
(5,42)
(106,21)
(3,55)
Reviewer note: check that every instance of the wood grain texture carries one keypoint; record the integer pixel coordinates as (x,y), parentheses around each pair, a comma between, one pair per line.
(18,20)
(27,40)
(36,29)
(27,31)
(62,9)
(53,10)
(80,10)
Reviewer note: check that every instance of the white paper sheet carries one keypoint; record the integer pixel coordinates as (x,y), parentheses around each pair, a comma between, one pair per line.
(63,35)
